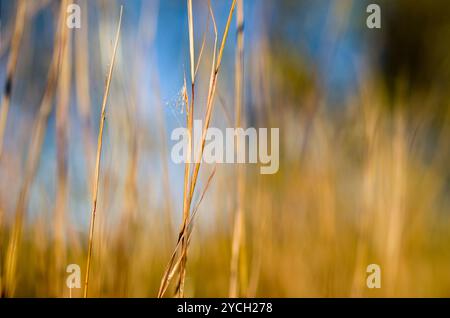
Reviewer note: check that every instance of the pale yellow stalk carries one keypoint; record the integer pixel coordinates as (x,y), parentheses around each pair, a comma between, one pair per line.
(99,153)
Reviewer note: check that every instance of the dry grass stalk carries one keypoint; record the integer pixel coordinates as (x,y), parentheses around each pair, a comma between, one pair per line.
(239,221)
(62,121)
(173,263)
(7,91)
(191,39)
(211,94)
(187,171)
(83,94)
(38,134)
(210,103)
(19,26)
(99,153)
(191,180)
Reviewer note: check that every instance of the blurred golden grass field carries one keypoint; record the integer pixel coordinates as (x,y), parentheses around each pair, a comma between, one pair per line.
(356,186)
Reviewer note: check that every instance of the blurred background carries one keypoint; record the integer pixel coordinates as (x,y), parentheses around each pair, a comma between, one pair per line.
(364,125)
